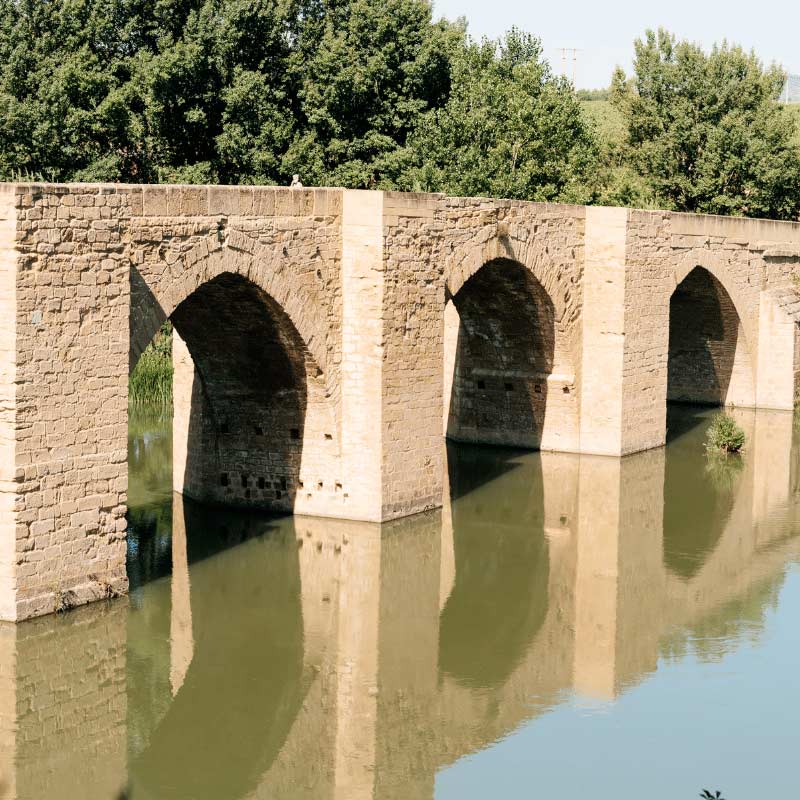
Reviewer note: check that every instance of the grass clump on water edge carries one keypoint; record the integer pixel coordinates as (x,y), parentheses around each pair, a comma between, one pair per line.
(150,383)
(724,435)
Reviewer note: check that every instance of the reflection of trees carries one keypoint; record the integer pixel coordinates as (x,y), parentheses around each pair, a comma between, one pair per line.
(149,457)
(724,471)
(724,629)
(149,495)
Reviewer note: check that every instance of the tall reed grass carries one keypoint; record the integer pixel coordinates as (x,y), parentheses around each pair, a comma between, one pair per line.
(150,383)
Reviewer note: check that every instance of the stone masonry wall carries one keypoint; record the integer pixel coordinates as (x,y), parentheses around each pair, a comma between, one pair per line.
(315,329)
(8,395)
(70,426)
(413,305)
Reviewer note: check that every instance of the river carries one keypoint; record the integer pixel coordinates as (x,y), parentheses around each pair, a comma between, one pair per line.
(565,626)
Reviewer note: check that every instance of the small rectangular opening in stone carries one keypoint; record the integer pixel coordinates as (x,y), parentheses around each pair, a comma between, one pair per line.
(565,390)
(223,479)
(261,483)
(319,484)
(223,427)
(338,486)
(244,481)
(481,384)
(509,387)
(537,388)
(259,430)
(278,495)
(283,484)
(294,433)
(329,436)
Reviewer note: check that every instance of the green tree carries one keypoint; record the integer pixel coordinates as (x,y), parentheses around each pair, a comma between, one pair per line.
(705,130)
(509,128)
(59,63)
(369,69)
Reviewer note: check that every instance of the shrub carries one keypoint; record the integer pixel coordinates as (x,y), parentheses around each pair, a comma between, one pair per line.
(724,435)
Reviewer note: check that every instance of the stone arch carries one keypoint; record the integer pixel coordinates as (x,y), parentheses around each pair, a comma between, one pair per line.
(511,350)
(266,266)
(494,244)
(256,410)
(709,356)
(716,264)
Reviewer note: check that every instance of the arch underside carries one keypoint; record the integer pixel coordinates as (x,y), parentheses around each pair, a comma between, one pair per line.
(508,374)
(709,359)
(248,398)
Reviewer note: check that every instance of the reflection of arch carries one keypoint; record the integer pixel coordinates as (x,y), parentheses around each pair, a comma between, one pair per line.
(500,597)
(709,360)
(245,684)
(698,500)
(507,352)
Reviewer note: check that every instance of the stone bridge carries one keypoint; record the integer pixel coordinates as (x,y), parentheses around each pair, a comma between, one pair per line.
(325,340)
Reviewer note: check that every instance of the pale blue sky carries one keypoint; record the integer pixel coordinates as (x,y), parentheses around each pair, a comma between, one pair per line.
(604,31)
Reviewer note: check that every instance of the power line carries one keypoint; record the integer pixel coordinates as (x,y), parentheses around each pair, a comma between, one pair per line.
(573,52)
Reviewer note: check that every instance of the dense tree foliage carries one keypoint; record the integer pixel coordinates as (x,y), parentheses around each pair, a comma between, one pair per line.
(217,90)
(705,130)
(508,129)
(376,94)
(359,93)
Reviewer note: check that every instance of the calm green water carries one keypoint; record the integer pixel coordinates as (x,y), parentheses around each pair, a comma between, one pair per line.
(565,626)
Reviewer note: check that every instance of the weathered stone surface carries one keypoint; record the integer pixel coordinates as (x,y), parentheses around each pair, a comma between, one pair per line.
(325,335)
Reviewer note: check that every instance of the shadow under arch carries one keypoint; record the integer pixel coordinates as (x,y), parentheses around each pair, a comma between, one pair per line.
(250,392)
(245,684)
(500,596)
(504,353)
(708,359)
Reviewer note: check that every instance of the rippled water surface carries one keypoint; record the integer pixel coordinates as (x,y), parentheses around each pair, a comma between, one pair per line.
(565,627)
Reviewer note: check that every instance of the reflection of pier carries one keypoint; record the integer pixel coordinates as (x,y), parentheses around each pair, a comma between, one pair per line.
(331,659)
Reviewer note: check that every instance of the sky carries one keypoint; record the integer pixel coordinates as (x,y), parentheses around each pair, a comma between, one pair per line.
(603,32)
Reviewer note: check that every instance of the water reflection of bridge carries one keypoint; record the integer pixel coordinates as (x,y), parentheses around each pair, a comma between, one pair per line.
(345,660)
